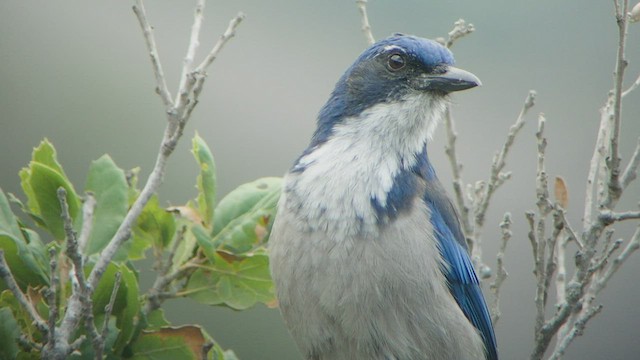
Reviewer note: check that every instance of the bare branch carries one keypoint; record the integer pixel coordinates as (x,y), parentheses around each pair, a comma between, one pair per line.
(155,295)
(631,170)
(12,285)
(576,330)
(499,161)
(173,131)
(366,28)
(205,350)
(609,217)
(187,63)
(79,286)
(99,347)
(632,87)
(460,30)
(631,247)
(51,295)
(229,33)
(501,273)
(614,188)
(596,160)
(147,30)
(456,169)
(88,209)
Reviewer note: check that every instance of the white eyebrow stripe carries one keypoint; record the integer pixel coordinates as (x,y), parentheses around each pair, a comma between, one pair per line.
(390,47)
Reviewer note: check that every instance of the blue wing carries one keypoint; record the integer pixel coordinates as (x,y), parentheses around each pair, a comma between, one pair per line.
(461,277)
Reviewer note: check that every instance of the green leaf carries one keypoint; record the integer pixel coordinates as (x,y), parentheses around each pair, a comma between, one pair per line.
(86,350)
(8,221)
(9,334)
(45,154)
(235,281)
(206,179)
(169,343)
(204,241)
(109,187)
(154,226)
(24,252)
(244,216)
(156,320)
(126,307)
(40,182)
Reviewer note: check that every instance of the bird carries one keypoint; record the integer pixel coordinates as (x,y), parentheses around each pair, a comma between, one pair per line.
(366,250)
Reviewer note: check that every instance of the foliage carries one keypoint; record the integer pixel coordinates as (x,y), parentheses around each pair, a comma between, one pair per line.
(211,253)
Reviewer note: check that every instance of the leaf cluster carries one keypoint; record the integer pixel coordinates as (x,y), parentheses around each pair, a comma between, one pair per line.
(212,252)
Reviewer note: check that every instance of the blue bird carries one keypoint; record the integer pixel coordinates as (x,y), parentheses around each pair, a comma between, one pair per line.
(367,253)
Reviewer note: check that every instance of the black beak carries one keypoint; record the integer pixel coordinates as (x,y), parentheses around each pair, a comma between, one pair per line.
(453,79)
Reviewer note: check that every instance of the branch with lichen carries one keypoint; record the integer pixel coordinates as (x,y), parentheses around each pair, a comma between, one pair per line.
(597,258)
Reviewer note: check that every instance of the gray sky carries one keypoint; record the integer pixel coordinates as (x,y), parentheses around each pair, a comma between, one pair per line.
(77,72)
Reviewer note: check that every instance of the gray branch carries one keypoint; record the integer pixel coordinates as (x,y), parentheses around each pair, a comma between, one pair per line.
(364,18)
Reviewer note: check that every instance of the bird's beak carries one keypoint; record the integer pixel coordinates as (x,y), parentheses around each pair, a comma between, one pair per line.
(453,79)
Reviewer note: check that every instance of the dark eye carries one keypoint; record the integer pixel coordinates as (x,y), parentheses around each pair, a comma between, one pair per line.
(396,62)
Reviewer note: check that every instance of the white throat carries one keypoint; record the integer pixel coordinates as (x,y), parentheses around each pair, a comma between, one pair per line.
(359,162)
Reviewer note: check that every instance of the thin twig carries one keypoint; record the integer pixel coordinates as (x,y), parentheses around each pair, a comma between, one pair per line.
(79,286)
(12,285)
(228,34)
(576,330)
(499,161)
(187,63)
(107,314)
(147,30)
(51,296)
(614,188)
(366,27)
(460,30)
(501,273)
(631,171)
(632,246)
(172,134)
(88,208)
(538,241)
(205,350)
(456,169)
(632,87)
(609,217)
(595,163)
(155,296)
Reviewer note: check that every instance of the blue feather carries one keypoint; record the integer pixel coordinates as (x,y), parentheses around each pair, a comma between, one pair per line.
(458,270)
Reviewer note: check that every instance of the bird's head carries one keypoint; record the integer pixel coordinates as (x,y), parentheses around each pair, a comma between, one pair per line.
(393,70)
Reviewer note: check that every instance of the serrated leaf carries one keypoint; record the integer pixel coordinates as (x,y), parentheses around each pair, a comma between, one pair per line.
(244,214)
(168,343)
(43,183)
(206,182)
(109,187)
(238,282)
(9,334)
(40,182)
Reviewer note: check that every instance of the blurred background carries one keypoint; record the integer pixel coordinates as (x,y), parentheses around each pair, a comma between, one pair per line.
(78,73)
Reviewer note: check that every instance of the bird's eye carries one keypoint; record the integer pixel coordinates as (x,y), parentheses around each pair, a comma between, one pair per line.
(396,62)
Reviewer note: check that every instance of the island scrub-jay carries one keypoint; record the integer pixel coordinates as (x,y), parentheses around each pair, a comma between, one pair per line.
(367,254)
